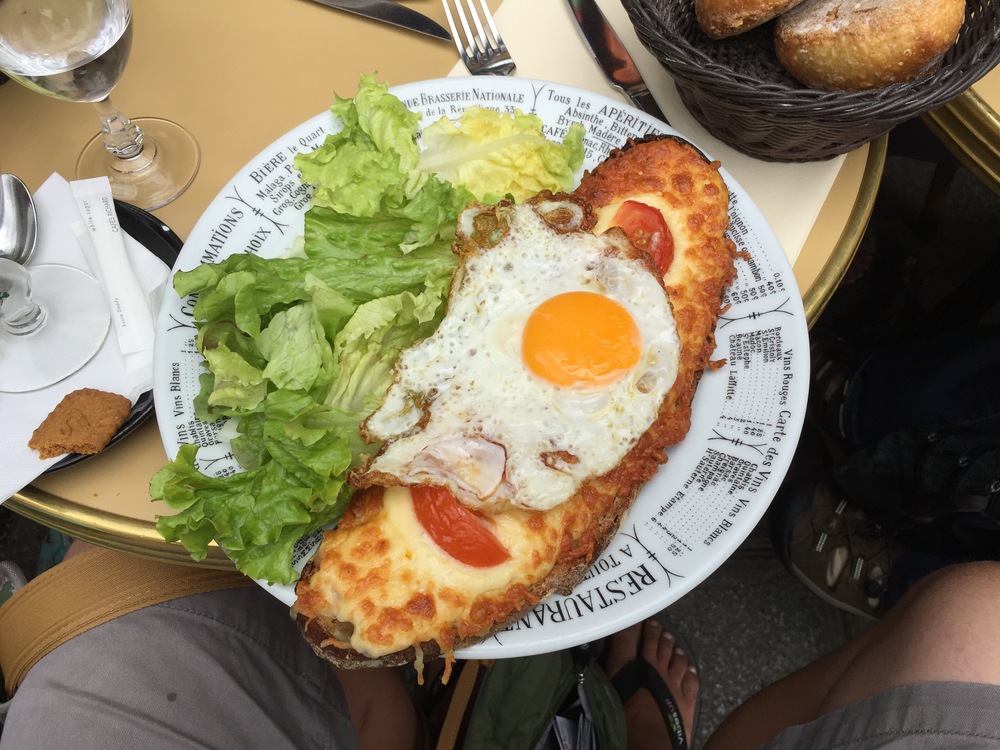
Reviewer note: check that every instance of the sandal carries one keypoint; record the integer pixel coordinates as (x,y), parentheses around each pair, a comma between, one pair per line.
(835,549)
(639,674)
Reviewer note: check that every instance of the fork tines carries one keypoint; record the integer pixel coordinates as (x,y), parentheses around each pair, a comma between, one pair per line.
(480,45)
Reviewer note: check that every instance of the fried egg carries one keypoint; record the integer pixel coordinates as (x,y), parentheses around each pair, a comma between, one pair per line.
(554,356)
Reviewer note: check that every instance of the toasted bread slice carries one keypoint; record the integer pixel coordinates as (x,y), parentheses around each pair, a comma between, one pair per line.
(556,546)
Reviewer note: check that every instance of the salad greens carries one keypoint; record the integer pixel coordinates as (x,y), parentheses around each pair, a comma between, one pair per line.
(484,152)
(300,350)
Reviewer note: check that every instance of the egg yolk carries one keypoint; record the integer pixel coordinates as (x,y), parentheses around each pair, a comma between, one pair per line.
(580,339)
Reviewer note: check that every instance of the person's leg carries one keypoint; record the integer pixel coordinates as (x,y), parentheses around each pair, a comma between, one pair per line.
(646,727)
(78,546)
(367,692)
(214,670)
(943,629)
(378,701)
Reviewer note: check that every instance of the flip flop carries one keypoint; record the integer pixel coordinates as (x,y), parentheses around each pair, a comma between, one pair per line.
(639,674)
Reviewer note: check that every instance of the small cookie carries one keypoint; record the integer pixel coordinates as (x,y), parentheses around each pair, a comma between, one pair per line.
(83,422)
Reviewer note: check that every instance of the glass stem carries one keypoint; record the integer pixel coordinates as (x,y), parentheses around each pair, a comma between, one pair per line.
(19,314)
(123,140)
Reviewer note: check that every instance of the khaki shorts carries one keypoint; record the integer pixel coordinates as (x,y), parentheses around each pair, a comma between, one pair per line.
(926,716)
(224,669)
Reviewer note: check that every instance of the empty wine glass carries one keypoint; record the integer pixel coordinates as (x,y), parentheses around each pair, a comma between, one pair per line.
(77,50)
(47,335)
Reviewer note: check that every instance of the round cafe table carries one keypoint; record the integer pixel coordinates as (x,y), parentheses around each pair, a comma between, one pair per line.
(238,74)
(970,127)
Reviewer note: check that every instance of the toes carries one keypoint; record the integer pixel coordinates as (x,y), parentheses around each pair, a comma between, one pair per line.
(679,662)
(655,650)
(690,684)
(623,648)
(659,648)
(682,672)
(679,669)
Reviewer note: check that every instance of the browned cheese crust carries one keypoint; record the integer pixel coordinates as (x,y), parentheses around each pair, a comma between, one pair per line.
(703,267)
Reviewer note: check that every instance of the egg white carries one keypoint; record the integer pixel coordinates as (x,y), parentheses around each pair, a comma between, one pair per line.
(465,412)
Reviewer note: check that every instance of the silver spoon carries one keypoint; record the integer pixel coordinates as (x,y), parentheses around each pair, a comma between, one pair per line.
(18,225)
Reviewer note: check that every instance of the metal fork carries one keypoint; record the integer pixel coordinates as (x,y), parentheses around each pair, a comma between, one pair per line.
(481,47)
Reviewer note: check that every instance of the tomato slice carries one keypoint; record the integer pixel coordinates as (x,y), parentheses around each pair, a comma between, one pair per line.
(645,226)
(456,529)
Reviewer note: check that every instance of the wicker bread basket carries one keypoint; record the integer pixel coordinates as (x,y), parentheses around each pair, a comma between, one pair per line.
(740,93)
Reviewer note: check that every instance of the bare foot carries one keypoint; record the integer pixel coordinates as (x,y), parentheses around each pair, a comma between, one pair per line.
(646,726)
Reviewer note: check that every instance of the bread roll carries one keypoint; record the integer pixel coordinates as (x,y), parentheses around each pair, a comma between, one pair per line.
(724,18)
(866,44)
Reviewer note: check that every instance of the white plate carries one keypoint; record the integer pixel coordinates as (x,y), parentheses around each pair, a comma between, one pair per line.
(747,415)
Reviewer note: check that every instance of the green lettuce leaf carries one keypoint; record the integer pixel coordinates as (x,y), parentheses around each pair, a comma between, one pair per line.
(491,153)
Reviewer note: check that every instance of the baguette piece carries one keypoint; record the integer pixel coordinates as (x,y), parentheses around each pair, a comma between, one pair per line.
(855,45)
(551,550)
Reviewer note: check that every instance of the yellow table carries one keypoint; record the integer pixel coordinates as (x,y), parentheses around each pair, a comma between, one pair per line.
(970,127)
(238,74)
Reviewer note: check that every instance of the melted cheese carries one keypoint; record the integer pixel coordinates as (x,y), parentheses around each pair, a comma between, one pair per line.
(683,222)
(392,582)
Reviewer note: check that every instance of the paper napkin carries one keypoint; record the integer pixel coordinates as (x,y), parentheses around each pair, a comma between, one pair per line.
(21,413)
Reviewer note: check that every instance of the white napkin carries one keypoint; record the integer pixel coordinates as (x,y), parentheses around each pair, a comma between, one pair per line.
(103,243)
(21,413)
(545,43)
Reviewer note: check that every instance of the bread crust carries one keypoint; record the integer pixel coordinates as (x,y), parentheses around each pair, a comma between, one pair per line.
(725,18)
(866,44)
(594,515)
(329,638)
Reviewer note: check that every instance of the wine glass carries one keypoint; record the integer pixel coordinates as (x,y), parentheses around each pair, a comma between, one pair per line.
(77,50)
(48,335)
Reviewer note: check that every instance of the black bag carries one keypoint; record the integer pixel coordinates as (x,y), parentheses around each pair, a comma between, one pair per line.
(934,490)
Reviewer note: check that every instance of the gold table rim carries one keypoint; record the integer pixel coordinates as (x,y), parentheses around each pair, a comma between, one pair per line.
(105,529)
(968,127)
(819,293)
